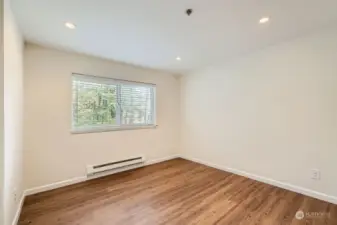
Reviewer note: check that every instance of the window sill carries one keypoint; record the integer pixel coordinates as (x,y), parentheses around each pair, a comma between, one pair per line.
(108,129)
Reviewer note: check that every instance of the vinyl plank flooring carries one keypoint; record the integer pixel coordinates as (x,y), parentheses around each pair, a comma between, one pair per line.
(176,192)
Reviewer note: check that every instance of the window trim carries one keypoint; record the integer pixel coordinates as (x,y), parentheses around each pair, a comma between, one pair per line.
(107,128)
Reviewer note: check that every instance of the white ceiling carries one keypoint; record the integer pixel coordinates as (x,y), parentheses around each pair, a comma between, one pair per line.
(152,33)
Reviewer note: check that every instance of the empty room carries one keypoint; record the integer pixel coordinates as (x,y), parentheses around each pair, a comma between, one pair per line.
(180,112)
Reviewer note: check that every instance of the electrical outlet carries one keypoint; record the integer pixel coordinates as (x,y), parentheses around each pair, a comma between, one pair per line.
(315,174)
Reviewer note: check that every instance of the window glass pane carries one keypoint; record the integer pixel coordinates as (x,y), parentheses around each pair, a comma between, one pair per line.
(94,103)
(136,104)
(101,104)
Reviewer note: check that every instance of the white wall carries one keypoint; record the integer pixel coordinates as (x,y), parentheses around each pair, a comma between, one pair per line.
(52,153)
(13,88)
(272,113)
(2,155)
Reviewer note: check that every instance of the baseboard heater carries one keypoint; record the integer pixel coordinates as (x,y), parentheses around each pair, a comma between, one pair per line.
(114,166)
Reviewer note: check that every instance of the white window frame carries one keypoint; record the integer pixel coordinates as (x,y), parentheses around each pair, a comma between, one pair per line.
(106,128)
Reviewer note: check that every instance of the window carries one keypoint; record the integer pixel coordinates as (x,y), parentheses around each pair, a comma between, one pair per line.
(103,104)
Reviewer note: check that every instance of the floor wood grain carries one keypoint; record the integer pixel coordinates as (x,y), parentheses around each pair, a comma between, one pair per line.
(174,192)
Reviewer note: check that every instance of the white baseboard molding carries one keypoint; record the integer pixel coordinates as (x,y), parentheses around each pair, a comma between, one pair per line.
(76,180)
(18,211)
(154,161)
(55,185)
(287,186)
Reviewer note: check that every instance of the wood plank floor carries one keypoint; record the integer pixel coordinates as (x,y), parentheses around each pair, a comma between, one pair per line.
(174,192)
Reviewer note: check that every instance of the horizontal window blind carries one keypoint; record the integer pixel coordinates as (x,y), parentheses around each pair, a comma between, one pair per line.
(103,104)
(136,104)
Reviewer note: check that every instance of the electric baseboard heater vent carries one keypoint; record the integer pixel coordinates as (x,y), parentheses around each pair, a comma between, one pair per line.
(114,166)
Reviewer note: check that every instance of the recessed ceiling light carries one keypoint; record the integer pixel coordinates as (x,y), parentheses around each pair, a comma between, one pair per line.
(264,20)
(178,58)
(70,25)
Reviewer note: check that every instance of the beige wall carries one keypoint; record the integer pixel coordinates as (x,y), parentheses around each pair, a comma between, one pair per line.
(13,101)
(52,153)
(272,113)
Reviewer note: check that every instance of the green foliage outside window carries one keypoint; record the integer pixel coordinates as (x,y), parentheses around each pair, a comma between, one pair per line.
(94,104)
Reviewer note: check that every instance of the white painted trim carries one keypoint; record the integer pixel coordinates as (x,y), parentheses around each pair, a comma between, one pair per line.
(284,185)
(100,129)
(18,211)
(55,185)
(154,161)
(76,180)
